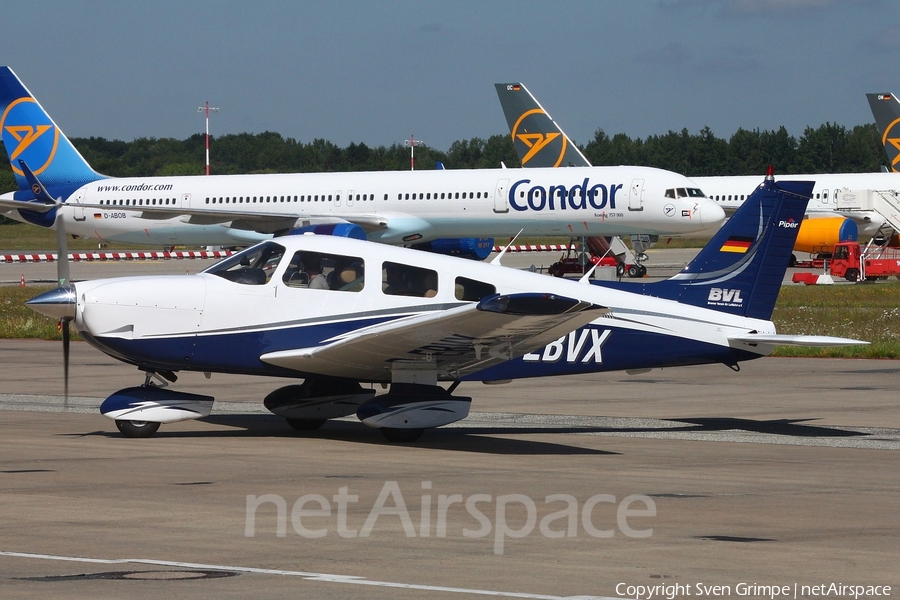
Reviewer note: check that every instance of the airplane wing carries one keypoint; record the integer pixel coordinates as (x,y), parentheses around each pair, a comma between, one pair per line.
(457,341)
(40,207)
(249,220)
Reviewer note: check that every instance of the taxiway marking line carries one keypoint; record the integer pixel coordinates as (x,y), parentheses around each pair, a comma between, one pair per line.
(309,576)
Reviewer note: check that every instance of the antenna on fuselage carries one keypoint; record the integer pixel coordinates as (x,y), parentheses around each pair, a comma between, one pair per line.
(497,258)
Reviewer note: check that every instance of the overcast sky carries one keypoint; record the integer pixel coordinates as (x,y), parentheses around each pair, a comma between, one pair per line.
(378,71)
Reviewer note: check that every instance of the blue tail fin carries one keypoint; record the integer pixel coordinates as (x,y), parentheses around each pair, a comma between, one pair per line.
(741,269)
(30,135)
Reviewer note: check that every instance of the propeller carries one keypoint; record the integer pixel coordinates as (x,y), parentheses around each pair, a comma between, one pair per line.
(62,275)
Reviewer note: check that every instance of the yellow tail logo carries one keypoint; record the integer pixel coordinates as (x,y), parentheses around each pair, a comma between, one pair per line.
(25,135)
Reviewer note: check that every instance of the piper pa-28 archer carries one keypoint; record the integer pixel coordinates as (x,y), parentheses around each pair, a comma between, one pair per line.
(340,313)
(403,208)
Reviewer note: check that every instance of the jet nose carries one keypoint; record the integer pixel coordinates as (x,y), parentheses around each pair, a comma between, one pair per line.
(710,213)
(58,304)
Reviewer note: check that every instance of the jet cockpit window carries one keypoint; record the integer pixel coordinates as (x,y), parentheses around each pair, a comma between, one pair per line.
(695,193)
(321,271)
(670,193)
(472,291)
(253,266)
(405,280)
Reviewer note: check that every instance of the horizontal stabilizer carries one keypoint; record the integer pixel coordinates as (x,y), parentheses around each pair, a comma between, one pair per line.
(816,341)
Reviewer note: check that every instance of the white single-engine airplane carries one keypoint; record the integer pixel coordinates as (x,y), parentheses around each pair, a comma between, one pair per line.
(340,312)
(403,208)
(541,142)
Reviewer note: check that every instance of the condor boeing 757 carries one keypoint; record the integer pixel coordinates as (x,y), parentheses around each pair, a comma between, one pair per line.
(404,208)
(833,210)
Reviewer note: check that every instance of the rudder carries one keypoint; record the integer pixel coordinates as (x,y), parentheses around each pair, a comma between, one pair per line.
(30,135)
(886,110)
(539,141)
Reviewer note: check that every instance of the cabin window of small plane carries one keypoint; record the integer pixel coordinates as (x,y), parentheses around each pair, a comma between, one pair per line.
(321,271)
(470,290)
(253,266)
(405,280)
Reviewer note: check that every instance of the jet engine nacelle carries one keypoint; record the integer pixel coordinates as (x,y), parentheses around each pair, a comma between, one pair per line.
(155,405)
(414,406)
(819,235)
(471,248)
(348,230)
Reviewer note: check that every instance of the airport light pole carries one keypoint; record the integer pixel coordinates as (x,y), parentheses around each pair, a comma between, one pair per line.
(207,109)
(412,142)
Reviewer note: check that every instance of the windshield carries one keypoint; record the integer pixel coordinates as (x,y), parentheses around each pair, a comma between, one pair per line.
(253,266)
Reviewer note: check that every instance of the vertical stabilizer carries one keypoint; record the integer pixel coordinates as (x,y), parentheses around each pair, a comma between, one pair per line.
(886,110)
(31,136)
(741,269)
(538,139)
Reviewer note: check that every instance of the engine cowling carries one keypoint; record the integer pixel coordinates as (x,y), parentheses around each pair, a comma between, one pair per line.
(471,248)
(348,230)
(819,235)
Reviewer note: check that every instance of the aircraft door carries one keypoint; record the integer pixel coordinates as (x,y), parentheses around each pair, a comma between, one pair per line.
(185,201)
(77,203)
(337,197)
(349,198)
(636,195)
(501,200)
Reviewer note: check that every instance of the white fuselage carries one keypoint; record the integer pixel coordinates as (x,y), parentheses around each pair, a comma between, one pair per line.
(181,315)
(393,207)
(731,191)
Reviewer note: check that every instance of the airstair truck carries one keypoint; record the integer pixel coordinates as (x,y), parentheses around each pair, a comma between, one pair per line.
(850,261)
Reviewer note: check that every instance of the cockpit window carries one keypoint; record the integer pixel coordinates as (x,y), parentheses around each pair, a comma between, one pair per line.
(253,266)
(321,271)
(685,193)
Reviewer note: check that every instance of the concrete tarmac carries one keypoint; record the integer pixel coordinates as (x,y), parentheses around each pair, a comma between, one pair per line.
(783,474)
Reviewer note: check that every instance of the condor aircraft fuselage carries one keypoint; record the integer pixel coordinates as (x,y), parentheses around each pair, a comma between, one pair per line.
(56,183)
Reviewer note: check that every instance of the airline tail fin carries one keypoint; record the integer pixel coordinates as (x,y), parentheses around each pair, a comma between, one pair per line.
(30,135)
(886,110)
(741,269)
(538,139)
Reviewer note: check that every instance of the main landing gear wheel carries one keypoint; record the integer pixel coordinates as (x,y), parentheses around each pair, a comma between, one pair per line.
(137,429)
(401,436)
(306,424)
(635,271)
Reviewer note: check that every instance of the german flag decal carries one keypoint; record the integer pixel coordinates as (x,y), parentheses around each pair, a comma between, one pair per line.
(737,244)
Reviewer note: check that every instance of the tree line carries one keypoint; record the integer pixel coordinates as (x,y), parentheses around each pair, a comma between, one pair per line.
(830,148)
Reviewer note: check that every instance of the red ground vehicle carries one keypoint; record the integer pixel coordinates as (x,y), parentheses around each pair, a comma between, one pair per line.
(573,261)
(852,263)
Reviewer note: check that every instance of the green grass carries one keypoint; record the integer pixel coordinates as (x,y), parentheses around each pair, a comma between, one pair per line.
(17,321)
(864,311)
(22,236)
